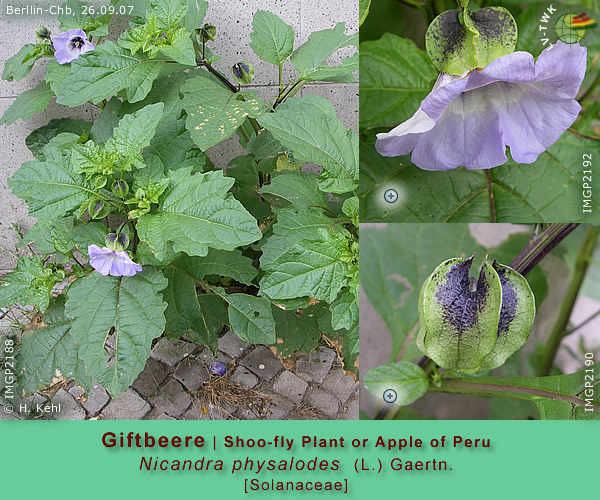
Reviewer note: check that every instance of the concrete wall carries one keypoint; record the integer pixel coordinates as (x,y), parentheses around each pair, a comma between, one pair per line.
(233,19)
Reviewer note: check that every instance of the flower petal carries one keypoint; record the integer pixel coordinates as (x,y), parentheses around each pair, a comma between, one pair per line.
(514,101)
(402,139)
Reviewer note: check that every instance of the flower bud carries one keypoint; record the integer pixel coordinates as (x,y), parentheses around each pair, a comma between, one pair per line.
(207,33)
(473,326)
(42,33)
(100,182)
(117,242)
(120,188)
(243,73)
(98,209)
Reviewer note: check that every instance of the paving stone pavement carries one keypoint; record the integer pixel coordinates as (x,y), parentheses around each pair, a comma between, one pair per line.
(176,384)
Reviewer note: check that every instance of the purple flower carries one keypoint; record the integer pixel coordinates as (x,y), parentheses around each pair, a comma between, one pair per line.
(470,119)
(70,45)
(217,368)
(107,261)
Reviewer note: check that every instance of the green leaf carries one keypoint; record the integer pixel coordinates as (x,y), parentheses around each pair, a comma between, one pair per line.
(86,234)
(28,283)
(60,233)
(458,42)
(458,326)
(39,138)
(75,18)
(244,170)
(295,188)
(218,263)
(195,16)
(350,208)
(200,317)
(396,260)
(272,38)
(264,145)
(134,133)
(311,129)
(312,268)
(133,307)
(16,68)
(181,48)
(518,193)
(311,57)
(39,234)
(395,77)
(295,333)
(50,187)
(250,317)
(214,113)
(198,212)
(363,11)
(292,226)
(49,351)
(56,74)
(560,397)
(105,71)
(408,380)
(27,104)
(344,311)
(170,12)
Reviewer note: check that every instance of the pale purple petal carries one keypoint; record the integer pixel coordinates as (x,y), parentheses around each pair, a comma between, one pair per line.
(70,45)
(514,101)
(107,261)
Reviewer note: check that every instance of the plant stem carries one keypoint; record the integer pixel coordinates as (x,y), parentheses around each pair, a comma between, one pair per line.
(489,183)
(541,245)
(280,78)
(460,386)
(564,313)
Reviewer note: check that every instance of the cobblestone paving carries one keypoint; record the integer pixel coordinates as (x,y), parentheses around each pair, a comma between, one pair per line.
(176,385)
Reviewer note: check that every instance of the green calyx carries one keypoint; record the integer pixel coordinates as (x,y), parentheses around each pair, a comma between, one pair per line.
(459,41)
(473,326)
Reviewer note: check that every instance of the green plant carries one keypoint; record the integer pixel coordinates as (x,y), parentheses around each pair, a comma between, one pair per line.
(138,233)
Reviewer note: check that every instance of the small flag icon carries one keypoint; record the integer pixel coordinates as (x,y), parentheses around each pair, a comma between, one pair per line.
(582,21)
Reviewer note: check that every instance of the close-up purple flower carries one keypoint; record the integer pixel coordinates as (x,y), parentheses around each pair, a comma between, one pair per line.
(70,45)
(107,261)
(217,368)
(514,101)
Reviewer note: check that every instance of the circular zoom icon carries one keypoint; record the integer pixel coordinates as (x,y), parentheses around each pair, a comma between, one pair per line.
(391,196)
(390,396)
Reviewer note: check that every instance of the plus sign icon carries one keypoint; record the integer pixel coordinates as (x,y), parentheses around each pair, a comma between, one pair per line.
(391,196)
(389,396)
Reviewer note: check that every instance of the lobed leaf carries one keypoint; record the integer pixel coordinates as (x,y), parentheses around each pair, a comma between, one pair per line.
(214,113)
(104,72)
(407,380)
(198,212)
(310,59)
(28,284)
(131,309)
(27,104)
(310,128)
(272,38)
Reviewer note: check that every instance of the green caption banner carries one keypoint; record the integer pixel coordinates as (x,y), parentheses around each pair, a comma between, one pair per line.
(295,459)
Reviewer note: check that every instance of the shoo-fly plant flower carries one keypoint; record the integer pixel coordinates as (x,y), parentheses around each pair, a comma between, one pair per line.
(70,45)
(113,259)
(488,97)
